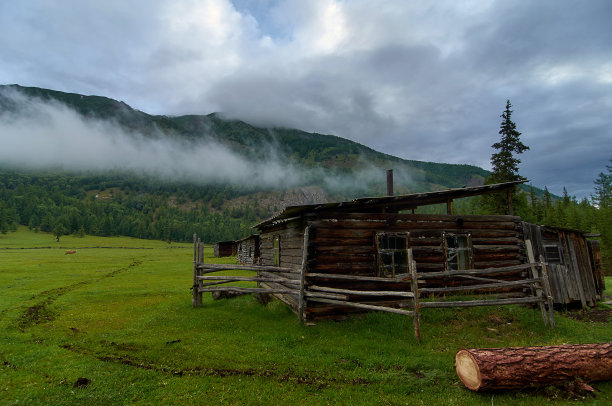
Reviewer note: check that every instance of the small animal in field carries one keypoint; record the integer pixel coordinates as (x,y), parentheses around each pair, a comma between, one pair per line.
(70,251)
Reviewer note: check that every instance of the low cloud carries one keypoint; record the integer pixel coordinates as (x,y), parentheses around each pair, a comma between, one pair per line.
(37,134)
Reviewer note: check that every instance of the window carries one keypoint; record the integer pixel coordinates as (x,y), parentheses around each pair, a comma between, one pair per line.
(457,252)
(276,249)
(392,249)
(552,253)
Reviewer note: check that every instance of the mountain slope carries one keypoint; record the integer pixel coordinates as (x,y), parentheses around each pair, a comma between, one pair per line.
(307,150)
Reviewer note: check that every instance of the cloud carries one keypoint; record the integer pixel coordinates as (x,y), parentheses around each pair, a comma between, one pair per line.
(48,135)
(420,80)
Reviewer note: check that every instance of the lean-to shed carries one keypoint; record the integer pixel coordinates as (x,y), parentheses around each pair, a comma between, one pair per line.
(370,237)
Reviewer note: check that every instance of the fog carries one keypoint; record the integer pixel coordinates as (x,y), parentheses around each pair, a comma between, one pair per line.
(45,135)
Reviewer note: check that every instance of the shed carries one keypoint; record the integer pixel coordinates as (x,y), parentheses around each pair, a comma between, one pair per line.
(248,250)
(225,249)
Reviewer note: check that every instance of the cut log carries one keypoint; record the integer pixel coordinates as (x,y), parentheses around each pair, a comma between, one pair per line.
(523,367)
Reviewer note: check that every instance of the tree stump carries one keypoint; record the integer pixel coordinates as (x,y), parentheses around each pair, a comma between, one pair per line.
(522,367)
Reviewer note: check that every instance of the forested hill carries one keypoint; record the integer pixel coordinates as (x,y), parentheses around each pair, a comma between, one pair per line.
(298,147)
(218,206)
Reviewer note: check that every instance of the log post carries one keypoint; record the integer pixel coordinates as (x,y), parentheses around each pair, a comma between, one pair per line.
(304,270)
(522,367)
(415,292)
(198,257)
(197,296)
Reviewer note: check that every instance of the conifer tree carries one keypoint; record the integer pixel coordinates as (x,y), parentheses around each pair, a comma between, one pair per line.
(505,166)
(504,162)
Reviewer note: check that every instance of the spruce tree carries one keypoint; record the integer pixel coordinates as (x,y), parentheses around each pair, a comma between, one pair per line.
(504,162)
(505,167)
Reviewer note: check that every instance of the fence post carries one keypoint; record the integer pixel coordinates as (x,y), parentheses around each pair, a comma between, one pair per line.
(198,258)
(535,274)
(194,301)
(301,299)
(415,293)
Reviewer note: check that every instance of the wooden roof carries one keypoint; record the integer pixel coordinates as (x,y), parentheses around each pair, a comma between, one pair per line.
(387,203)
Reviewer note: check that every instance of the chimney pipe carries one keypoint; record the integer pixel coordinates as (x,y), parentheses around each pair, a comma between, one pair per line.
(389,182)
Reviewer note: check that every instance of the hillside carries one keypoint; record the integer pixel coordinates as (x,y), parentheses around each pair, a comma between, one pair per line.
(308,150)
(255,172)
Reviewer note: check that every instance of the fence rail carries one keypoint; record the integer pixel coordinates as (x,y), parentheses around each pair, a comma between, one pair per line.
(304,286)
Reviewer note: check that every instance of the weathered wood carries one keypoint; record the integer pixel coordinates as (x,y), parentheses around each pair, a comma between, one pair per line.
(423,225)
(247,290)
(546,288)
(361,292)
(418,217)
(523,367)
(228,278)
(489,286)
(324,295)
(535,274)
(366,306)
(415,296)
(303,271)
(197,296)
(486,271)
(354,277)
(475,303)
(232,267)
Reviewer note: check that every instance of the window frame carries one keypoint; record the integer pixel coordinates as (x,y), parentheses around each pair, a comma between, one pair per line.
(468,249)
(380,267)
(546,247)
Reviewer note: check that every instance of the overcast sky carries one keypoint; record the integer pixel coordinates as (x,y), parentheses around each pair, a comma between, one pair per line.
(422,80)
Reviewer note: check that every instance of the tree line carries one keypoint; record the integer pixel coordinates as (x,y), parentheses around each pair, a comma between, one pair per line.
(121,205)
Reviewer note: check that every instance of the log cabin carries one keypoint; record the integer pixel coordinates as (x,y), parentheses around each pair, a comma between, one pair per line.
(369,238)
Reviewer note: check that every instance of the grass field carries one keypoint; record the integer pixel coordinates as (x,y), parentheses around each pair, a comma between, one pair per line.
(118,312)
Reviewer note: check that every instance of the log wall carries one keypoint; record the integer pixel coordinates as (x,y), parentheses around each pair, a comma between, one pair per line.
(344,243)
(291,248)
(248,250)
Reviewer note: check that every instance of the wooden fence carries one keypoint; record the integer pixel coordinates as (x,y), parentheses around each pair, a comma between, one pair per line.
(298,283)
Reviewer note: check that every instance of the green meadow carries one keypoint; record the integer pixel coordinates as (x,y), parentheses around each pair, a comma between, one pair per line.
(113,324)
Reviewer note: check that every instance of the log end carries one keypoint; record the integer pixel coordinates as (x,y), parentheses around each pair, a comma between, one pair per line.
(467,370)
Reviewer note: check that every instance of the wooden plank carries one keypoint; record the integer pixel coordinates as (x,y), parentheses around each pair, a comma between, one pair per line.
(473,303)
(360,292)
(537,290)
(366,306)
(246,290)
(486,271)
(418,217)
(303,271)
(573,267)
(231,267)
(546,287)
(495,285)
(353,277)
(229,278)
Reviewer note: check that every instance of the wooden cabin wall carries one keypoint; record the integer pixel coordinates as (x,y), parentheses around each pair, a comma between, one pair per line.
(343,243)
(291,247)
(570,272)
(248,251)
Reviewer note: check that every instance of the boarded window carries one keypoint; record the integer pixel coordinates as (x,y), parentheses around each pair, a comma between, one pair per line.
(457,252)
(277,250)
(552,253)
(392,249)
